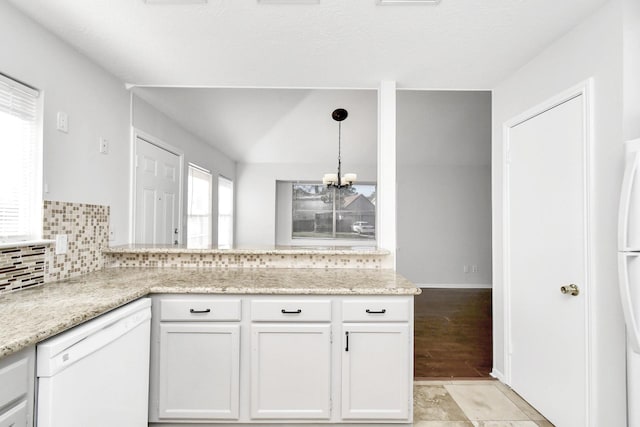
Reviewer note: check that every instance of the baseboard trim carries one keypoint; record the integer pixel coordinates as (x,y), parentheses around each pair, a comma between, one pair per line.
(455,285)
(498,375)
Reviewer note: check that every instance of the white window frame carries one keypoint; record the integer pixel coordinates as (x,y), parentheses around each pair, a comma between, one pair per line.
(32,203)
(222,180)
(195,168)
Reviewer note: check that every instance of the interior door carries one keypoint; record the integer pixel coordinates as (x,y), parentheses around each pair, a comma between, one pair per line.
(546,250)
(157,194)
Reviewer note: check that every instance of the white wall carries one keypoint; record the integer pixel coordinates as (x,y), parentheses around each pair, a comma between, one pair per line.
(444,223)
(294,138)
(444,187)
(151,121)
(631,69)
(97,105)
(256,195)
(593,49)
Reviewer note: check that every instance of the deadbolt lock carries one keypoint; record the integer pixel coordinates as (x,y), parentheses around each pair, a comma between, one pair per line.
(570,289)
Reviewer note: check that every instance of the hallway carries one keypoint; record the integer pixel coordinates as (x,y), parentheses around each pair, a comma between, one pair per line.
(453,334)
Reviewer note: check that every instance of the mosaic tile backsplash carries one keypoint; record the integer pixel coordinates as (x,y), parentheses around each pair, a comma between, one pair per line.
(87,230)
(248,260)
(21,267)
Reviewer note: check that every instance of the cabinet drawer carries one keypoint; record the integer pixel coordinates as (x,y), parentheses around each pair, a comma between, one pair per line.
(200,309)
(291,311)
(375,310)
(15,381)
(15,416)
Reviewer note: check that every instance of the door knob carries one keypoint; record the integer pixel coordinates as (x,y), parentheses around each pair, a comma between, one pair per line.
(570,289)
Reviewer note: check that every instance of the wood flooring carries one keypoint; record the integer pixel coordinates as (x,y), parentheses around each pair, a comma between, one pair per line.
(453,334)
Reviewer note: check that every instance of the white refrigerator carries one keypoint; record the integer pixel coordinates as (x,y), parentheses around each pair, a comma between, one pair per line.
(629,271)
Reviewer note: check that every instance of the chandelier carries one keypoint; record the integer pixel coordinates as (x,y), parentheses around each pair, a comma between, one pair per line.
(332,180)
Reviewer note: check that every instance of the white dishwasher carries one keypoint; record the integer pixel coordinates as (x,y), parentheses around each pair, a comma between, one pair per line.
(97,374)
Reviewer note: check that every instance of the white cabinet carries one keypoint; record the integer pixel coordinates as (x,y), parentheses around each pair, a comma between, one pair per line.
(377,358)
(15,416)
(17,382)
(279,359)
(199,372)
(195,359)
(290,371)
(376,371)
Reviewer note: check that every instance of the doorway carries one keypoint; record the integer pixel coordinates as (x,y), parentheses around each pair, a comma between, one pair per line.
(453,334)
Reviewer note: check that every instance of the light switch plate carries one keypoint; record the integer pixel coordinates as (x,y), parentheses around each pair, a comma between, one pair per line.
(63,122)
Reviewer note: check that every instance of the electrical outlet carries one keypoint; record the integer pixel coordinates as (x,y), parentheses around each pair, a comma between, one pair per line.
(104,145)
(465,268)
(63,122)
(61,244)
(474,268)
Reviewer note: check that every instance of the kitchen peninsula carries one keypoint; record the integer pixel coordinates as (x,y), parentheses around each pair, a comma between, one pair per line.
(306,343)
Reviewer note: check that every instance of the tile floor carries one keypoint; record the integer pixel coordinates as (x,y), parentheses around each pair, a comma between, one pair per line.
(477,403)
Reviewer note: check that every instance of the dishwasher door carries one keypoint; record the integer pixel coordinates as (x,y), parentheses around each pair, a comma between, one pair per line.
(97,374)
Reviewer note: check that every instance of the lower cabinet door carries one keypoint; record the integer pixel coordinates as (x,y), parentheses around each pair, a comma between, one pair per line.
(15,416)
(290,371)
(376,374)
(199,371)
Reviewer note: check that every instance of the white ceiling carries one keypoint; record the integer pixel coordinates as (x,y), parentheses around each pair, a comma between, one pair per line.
(461,44)
(241,44)
(275,125)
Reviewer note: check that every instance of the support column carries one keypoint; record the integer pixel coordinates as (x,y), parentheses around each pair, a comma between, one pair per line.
(386,187)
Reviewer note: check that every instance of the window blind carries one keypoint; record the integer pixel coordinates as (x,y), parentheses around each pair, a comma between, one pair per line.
(20,162)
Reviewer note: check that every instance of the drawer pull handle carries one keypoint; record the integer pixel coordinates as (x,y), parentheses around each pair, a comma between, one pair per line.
(347,347)
(298,311)
(208,310)
(383,311)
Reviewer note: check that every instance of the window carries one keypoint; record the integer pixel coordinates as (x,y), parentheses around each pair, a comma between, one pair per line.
(327,213)
(225,212)
(20,162)
(199,208)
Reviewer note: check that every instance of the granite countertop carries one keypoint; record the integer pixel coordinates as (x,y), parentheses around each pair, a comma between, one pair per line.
(267,250)
(35,314)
